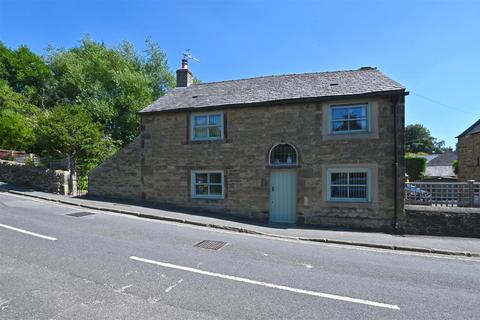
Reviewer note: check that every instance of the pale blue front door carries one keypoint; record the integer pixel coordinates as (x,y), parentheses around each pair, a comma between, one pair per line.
(283,196)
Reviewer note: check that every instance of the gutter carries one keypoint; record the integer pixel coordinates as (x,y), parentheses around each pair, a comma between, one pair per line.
(395,163)
(394,100)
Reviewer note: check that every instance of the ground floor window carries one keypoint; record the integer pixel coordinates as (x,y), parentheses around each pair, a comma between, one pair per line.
(207,184)
(352,185)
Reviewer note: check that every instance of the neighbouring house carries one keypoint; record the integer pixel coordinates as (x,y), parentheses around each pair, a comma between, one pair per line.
(439,167)
(468,149)
(316,148)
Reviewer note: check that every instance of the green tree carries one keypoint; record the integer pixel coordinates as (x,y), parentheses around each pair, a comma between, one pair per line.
(113,84)
(17,119)
(10,99)
(16,130)
(27,73)
(69,132)
(418,139)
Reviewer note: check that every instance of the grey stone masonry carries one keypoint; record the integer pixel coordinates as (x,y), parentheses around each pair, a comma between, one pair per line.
(441,221)
(38,178)
(468,150)
(119,176)
(157,166)
(184,78)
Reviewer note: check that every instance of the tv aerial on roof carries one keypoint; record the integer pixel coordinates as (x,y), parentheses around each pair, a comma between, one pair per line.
(187,55)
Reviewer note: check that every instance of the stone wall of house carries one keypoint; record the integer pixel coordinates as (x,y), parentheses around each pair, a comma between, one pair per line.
(441,221)
(468,149)
(119,176)
(157,166)
(168,157)
(38,178)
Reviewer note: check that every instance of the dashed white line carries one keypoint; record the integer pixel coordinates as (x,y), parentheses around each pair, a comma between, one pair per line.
(269,285)
(28,232)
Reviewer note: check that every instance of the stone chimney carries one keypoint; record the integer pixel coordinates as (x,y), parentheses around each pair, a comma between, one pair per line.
(184,75)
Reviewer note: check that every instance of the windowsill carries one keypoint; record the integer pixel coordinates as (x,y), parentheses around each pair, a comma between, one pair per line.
(284,166)
(345,200)
(349,204)
(339,133)
(351,135)
(213,141)
(208,197)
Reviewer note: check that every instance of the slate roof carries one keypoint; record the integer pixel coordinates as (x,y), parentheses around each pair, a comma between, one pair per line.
(441,165)
(444,159)
(474,128)
(276,88)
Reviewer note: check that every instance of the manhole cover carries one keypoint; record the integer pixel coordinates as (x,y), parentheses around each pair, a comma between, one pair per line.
(210,244)
(80,214)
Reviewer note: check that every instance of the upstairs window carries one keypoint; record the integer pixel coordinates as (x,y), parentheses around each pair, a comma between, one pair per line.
(283,154)
(349,185)
(349,119)
(207,126)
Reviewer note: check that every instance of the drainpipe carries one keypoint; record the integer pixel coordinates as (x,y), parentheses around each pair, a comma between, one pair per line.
(395,163)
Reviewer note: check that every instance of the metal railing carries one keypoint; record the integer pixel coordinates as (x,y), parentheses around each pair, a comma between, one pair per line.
(448,194)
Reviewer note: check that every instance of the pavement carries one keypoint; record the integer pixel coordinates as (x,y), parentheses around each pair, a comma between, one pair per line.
(402,242)
(59,261)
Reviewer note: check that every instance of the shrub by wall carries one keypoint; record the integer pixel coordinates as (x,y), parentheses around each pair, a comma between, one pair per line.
(415,167)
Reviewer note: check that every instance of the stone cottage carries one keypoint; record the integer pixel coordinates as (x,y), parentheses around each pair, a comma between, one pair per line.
(316,148)
(468,149)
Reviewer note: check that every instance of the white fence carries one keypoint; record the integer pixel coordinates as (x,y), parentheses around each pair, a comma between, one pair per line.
(449,194)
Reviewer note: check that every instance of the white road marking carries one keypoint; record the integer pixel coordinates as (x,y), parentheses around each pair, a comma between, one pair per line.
(28,232)
(4,303)
(173,286)
(122,289)
(269,285)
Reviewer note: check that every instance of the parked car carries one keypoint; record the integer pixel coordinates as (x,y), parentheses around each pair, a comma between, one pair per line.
(416,194)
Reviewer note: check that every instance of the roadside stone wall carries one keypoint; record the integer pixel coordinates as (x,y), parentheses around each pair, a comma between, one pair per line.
(469,157)
(157,167)
(38,178)
(119,176)
(441,221)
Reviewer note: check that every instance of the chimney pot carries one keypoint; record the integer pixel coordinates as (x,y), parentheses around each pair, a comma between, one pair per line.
(184,64)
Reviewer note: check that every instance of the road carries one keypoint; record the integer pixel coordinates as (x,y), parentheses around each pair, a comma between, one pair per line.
(110,266)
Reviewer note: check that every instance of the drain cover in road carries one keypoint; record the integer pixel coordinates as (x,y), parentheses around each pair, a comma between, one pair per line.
(210,244)
(80,214)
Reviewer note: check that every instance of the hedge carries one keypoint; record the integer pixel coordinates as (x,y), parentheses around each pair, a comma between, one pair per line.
(415,167)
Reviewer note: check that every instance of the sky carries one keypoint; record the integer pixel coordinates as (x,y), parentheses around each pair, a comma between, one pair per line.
(431,47)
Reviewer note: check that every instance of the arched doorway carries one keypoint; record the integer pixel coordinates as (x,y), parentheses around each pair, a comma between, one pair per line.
(283,160)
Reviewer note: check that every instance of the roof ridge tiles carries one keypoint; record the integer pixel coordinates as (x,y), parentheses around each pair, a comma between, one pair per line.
(363,69)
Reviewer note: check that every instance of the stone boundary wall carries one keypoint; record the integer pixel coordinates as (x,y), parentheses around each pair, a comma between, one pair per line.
(441,221)
(38,178)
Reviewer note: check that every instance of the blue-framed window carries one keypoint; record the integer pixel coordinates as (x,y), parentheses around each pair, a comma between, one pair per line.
(349,185)
(207,126)
(352,118)
(208,184)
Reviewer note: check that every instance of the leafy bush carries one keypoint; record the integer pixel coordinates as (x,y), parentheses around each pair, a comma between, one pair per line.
(455,166)
(415,167)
